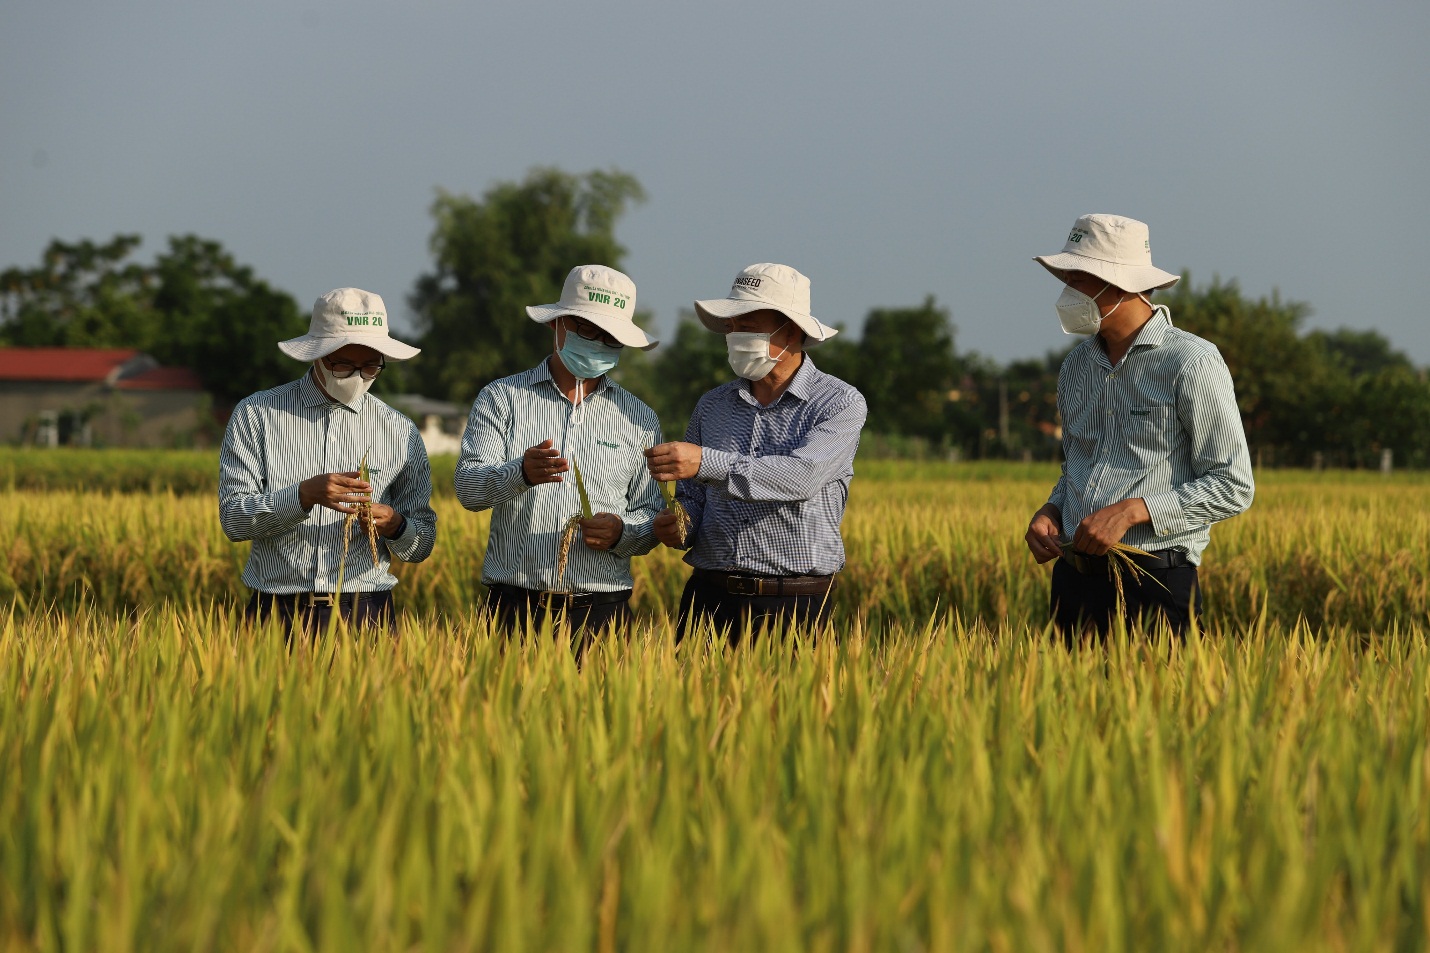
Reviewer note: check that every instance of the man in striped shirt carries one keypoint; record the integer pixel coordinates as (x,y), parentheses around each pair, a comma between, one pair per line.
(1153,447)
(527,430)
(765,466)
(289,475)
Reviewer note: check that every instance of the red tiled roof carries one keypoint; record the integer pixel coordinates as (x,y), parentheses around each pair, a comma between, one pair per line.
(76,364)
(162,378)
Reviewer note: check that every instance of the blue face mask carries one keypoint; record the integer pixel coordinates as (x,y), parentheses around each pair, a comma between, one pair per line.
(588,360)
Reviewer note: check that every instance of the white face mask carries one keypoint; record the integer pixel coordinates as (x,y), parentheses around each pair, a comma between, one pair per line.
(1079,314)
(345,390)
(749,353)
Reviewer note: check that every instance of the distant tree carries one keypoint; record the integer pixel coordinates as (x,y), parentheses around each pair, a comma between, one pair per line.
(495,256)
(221,321)
(193,307)
(672,377)
(81,295)
(906,369)
(1335,396)
(1359,353)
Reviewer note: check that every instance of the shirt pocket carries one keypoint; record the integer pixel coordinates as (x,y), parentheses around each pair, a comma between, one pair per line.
(1149,432)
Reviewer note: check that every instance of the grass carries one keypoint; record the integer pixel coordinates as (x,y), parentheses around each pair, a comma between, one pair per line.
(1356,558)
(941,776)
(177,783)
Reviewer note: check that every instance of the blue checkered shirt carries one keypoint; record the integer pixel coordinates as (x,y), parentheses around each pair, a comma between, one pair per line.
(1162,425)
(773,480)
(278,438)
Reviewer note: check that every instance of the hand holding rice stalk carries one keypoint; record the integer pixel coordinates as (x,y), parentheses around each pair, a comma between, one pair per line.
(1119,558)
(361,510)
(682,518)
(573,525)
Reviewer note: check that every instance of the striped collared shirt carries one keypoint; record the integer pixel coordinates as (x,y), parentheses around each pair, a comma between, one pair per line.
(278,438)
(606,434)
(1162,425)
(774,479)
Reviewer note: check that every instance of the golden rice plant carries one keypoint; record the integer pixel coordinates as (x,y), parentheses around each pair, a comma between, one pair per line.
(573,525)
(682,518)
(358,520)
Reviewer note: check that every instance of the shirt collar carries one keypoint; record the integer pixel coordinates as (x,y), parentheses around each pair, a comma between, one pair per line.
(1154,332)
(801,386)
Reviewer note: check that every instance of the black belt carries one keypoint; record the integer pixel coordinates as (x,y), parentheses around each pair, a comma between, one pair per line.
(322,600)
(576,600)
(744,584)
(1157,559)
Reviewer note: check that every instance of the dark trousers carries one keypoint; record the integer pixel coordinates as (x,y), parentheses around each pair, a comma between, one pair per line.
(362,610)
(512,608)
(704,600)
(1088,602)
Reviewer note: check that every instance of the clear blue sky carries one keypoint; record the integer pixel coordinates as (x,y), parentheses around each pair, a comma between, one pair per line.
(887,151)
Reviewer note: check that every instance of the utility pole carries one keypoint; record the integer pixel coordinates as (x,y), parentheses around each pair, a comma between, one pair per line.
(1003,412)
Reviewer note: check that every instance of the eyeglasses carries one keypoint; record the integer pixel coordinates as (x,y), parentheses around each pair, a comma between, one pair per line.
(590,332)
(342,370)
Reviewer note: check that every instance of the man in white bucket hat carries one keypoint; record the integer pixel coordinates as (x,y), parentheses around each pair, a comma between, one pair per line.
(522,437)
(1154,451)
(765,466)
(289,475)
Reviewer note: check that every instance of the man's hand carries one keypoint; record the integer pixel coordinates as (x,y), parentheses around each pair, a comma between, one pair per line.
(1042,534)
(673,461)
(542,464)
(336,491)
(667,529)
(1100,531)
(389,521)
(602,531)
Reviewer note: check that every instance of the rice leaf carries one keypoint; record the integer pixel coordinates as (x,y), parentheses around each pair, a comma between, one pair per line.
(581,489)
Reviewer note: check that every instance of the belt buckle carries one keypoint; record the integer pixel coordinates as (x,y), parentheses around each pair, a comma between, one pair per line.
(742,585)
(321,599)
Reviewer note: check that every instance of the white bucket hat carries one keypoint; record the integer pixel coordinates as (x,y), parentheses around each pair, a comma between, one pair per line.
(766,285)
(1112,247)
(603,296)
(347,316)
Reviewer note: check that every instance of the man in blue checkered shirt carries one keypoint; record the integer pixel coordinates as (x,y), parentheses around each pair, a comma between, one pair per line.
(765,466)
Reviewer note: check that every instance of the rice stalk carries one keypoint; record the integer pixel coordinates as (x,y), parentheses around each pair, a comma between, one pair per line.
(362,508)
(682,518)
(573,524)
(1119,560)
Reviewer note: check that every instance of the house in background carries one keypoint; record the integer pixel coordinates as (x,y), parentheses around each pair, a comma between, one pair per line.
(61,396)
(441,421)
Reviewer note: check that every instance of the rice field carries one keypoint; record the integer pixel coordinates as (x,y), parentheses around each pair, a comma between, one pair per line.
(936,776)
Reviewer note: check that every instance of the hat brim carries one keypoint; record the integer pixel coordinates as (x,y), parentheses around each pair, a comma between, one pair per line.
(310,347)
(627,332)
(1134,278)
(716,311)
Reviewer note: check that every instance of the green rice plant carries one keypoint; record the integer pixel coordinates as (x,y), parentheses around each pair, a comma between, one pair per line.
(178,781)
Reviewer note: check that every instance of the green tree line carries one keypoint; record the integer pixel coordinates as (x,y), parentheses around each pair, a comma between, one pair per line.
(1336,398)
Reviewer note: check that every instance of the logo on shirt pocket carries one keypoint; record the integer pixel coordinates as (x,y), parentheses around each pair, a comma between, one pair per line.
(1149,433)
